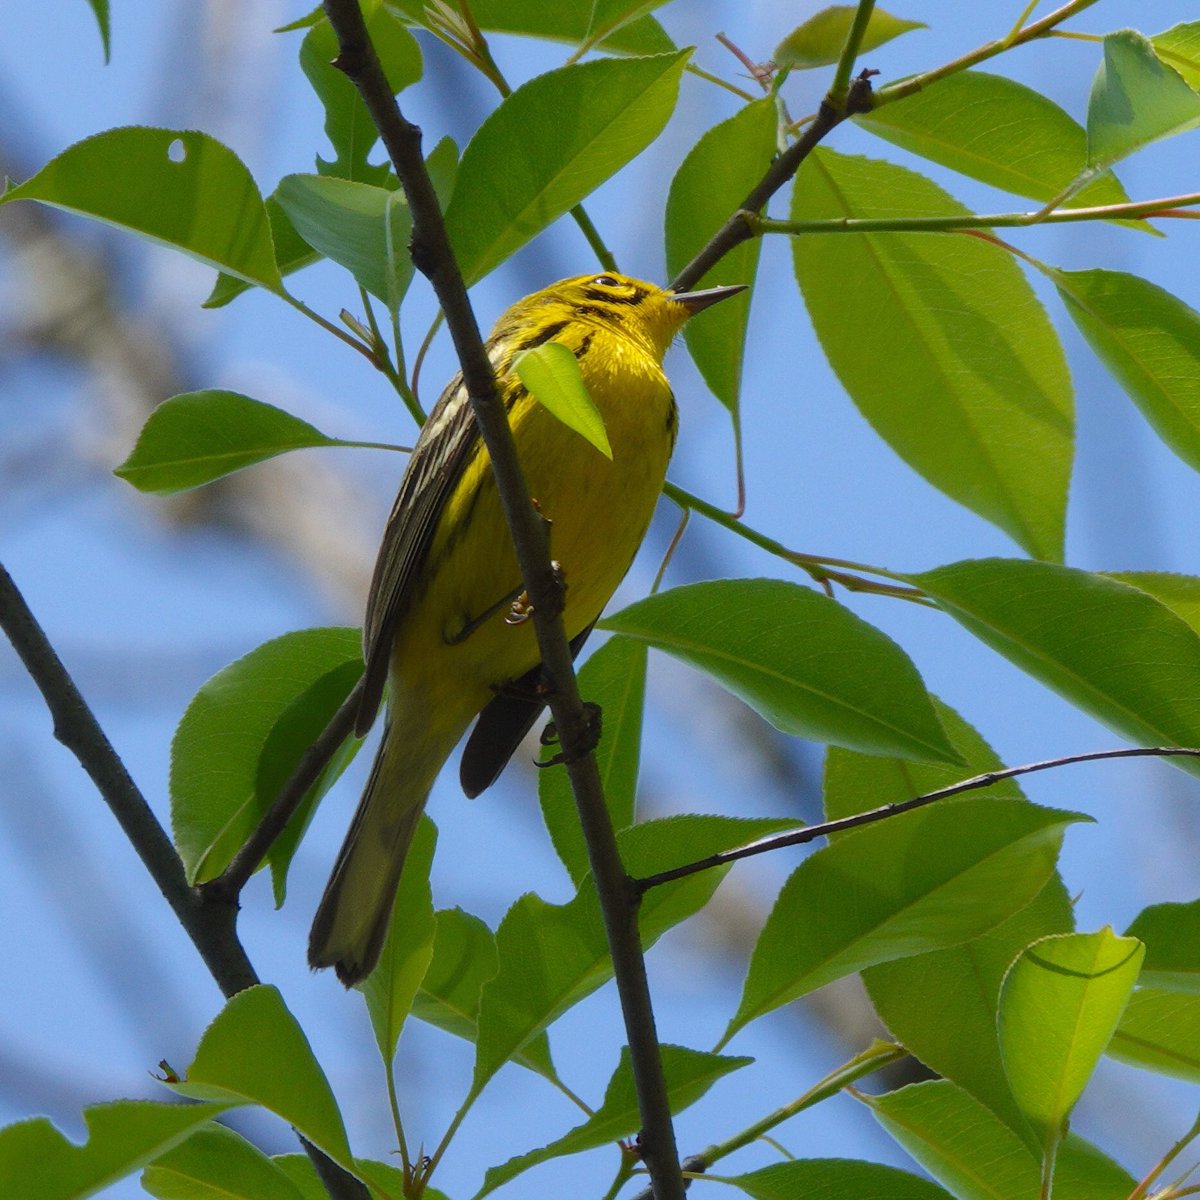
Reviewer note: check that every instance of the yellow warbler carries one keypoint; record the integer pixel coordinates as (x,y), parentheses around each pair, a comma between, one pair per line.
(440,627)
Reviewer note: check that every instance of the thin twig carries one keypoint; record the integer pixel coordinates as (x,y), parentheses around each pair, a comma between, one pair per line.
(1162,206)
(811,832)
(1040,28)
(432,255)
(735,230)
(228,885)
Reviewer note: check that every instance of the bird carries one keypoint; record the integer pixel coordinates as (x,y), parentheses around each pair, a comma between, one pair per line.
(444,627)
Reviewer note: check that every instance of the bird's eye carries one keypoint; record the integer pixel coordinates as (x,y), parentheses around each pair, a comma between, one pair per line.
(605,281)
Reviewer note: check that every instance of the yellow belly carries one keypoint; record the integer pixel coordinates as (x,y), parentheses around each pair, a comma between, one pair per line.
(598,512)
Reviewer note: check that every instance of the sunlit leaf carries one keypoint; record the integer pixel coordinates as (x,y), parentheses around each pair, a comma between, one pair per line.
(38,1163)
(1160,1031)
(196,437)
(550,373)
(1150,341)
(924,880)
(217,1164)
(711,183)
(408,947)
(1059,1005)
(996,130)
(548,145)
(1136,99)
(1108,648)
(805,663)
(818,41)
(364,228)
(177,187)
(256,1052)
(942,344)
(217,751)
(1171,933)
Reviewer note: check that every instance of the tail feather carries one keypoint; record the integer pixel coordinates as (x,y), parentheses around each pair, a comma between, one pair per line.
(352,919)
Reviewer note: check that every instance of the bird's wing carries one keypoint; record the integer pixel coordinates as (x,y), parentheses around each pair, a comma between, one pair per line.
(449,440)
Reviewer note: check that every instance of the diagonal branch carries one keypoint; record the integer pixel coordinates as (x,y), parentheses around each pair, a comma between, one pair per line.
(810,833)
(212,926)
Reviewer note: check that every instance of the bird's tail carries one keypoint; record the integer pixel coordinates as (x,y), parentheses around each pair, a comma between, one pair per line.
(352,918)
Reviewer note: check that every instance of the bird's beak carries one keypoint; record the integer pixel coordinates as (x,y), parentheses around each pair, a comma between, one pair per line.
(695,302)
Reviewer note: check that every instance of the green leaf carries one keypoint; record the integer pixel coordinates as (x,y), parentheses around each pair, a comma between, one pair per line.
(217,753)
(1108,648)
(1171,934)
(1136,99)
(1180,593)
(1160,1031)
(442,165)
(217,1164)
(408,949)
(196,437)
(364,228)
(857,782)
(550,373)
(1179,48)
(177,187)
(1059,1005)
(941,343)
(835,1179)
(556,22)
(348,125)
(1150,341)
(712,182)
(100,8)
(614,678)
(970,1150)
(387,1180)
(255,1052)
(934,877)
(548,145)
(803,662)
(464,959)
(943,1005)
(1016,139)
(818,41)
(292,253)
(688,1075)
(298,726)
(38,1163)
(553,955)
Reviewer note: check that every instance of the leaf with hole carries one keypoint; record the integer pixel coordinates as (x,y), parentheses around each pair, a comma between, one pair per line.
(179,188)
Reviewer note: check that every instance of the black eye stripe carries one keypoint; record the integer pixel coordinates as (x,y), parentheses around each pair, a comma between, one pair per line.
(601,297)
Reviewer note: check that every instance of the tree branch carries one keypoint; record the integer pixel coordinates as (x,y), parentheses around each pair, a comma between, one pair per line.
(228,885)
(735,230)
(212,925)
(432,255)
(811,832)
(1163,206)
